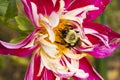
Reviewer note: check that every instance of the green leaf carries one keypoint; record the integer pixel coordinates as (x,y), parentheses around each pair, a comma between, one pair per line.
(16,40)
(3,7)
(12,10)
(24,24)
(21,61)
(70,79)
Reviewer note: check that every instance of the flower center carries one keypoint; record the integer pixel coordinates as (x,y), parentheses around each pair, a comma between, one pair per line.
(65,36)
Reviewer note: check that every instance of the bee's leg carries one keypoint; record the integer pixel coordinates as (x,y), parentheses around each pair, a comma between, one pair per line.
(62,43)
(68,46)
(77,31)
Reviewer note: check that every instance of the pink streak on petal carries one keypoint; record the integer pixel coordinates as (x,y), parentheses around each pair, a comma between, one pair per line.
(37,62)
(86,66)
(57,6)
(102,29)
(44,7)
(33,68)
(93,39)
(30,71)
(18,45)
(67,3)
(101,51)
(48,75)
(28,10)
(21,52)
(101,4)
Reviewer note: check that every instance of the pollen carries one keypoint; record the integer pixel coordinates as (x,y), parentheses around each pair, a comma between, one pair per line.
(63,40)
(59,41)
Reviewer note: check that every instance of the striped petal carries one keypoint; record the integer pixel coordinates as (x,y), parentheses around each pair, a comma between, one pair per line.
(101,51)
(101,4)
(18,49)
(102,29)
(85,65)
(18,45)
(21,52)
(104,39)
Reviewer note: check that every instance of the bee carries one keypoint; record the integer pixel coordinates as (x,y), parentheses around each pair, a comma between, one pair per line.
(70,37)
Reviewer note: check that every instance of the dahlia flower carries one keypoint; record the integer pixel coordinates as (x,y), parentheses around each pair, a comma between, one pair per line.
(64,35)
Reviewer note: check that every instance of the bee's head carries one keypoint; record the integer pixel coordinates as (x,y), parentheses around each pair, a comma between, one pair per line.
(64,33)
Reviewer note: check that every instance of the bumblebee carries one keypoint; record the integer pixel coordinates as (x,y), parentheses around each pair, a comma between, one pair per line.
(69,37)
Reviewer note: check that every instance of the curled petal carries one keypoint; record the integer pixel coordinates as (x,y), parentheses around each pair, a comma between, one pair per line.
(101,51)
(85,65)
(18,45)
(18,49)
(49,48)
(21,52)
(99,34)
(55,66)
(74,68)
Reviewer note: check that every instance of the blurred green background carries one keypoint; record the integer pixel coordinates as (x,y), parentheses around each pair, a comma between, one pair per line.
(14,26)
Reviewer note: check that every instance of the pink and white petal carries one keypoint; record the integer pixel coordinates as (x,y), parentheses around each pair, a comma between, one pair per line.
(101,4)
(73,67)
(54,19)
(21,52)
(86,66)
(36,67)
(35,14)
(44,7)
(55,66)
(29,11)
(18,45)
(102,29)
(101,51)
(67,3)
(33,68)
(48,75)
(100,38)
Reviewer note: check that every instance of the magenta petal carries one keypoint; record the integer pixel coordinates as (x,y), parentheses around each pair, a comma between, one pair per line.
(86,66)
(43,6)
(18,49)
(33,70)
(102,29)
(101,4)
(18,45)
(101,51)
(21,52)
(67,3)
(48,75)
(28,10)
